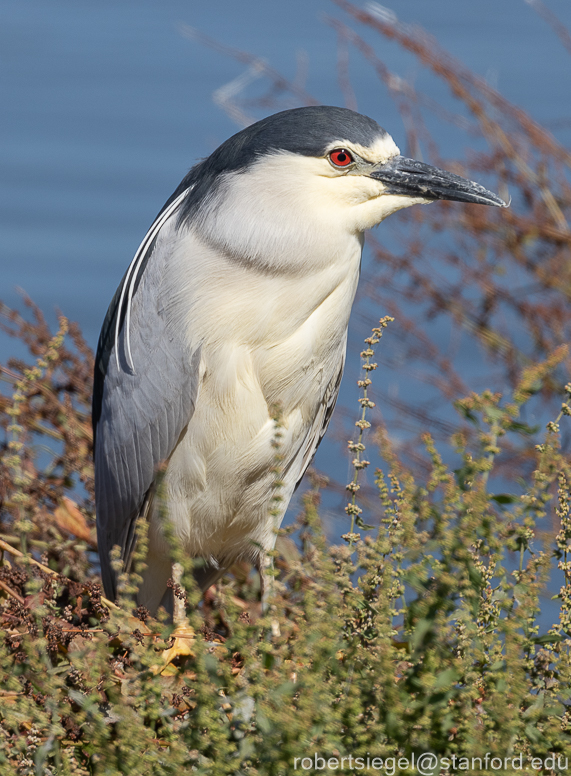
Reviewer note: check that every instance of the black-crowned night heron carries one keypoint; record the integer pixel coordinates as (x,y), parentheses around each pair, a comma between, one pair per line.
(238,301)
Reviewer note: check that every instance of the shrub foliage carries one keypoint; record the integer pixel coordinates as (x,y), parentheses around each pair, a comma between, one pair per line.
(423,635)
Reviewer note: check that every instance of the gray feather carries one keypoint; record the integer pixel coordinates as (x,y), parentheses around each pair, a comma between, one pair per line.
(142,411)
(320,424)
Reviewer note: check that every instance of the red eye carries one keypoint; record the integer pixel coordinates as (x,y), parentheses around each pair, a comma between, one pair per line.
(341,157)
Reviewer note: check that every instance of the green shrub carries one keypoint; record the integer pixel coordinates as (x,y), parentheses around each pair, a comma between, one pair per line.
(419,637)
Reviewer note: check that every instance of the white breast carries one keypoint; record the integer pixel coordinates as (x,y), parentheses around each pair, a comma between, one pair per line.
(267,339)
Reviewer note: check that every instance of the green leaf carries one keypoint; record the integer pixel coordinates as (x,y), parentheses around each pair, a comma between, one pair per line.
(422,628)
(362,525)
(522,428)
(287,688)
(466,472)
(505,498)
(262,722)
(533,734)
(247,748)
(466,413)
(268,661)
(445,678)
(475,576)
(547,638)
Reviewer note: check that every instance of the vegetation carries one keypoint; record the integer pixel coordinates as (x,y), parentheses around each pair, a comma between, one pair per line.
(427,634)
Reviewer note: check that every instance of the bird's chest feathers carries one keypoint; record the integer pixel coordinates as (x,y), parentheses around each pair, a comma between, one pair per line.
(268,340)
(283,333)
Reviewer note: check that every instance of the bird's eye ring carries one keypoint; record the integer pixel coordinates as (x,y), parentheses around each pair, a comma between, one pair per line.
(341,157)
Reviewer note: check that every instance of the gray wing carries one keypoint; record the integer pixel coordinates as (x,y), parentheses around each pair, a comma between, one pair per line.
(320,424)
(145,388)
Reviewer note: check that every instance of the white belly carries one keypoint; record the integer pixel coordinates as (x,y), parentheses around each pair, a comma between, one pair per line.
(283,351)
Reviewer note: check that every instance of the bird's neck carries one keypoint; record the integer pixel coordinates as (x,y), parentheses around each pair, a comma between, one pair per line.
(278,228)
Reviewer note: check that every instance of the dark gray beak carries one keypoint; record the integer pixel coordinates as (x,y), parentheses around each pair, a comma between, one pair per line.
(410,178)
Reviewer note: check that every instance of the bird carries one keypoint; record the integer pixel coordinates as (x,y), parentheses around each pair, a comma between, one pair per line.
(237,302)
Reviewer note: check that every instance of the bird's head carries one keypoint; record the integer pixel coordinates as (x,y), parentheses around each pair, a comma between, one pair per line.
(314,166)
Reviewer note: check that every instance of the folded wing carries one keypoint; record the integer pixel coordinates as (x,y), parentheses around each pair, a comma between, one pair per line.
(145,387)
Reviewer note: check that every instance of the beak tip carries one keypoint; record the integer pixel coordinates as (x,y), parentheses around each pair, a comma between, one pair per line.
(499,202)
(410,177)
